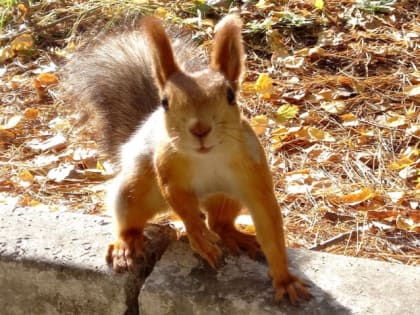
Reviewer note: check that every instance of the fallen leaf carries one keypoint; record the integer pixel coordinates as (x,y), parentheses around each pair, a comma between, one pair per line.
(22,42)
(259,123)
(319,135)
(286,112)
(6,53)
(47,78)
(349,120)
(355,197)
(407,224)
(25,178)
(292,62)
(60,173)
(12,122)
(333,107)
(412,91)
(55,143)
(319,4)
(396,196)
(31,113)
(263,85)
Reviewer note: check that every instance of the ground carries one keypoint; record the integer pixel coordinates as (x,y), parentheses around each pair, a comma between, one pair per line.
(332,88)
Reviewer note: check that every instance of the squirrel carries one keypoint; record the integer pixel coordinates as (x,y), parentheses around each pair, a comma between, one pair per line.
(182,144)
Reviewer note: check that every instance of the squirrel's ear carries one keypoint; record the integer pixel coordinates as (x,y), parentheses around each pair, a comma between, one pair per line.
(228,53)
(163,58)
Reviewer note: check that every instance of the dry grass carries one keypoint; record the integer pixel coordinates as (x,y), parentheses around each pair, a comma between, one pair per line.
(367,61)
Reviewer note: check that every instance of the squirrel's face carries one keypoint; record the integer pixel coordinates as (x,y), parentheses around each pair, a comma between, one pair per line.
(201,112)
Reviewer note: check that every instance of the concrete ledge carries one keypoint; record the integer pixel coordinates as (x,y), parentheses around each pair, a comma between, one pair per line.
(53,263)
(183,284)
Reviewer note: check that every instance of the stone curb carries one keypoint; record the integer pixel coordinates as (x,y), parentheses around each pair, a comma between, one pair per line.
(53,263)
(183,284)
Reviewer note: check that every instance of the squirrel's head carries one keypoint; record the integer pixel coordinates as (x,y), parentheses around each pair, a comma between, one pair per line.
(201,112)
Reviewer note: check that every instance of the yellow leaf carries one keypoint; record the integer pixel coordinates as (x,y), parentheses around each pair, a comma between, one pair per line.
(31,113)
(6,53)
(47,78)
(401,163)
(286,112)
(22,42)
(264,84)
(320,135)
(319,4)
(26,176)
(263,4)
(407,224)
(349,119)
(161,12)
(333,107)
(396,121)
(259,124)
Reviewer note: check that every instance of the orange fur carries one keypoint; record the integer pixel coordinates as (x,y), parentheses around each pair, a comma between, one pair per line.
(199,153)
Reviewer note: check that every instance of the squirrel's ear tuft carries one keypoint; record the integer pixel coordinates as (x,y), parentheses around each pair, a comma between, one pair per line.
(164,63)
(228,53)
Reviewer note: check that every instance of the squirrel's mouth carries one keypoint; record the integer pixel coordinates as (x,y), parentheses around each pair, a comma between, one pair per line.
(204,149)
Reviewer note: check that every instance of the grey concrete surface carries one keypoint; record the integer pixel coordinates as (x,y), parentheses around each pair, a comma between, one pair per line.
(53,263)
(183,284)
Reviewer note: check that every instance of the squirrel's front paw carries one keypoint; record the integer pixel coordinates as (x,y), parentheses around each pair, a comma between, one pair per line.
(204,242)
(126,251)
(295,288)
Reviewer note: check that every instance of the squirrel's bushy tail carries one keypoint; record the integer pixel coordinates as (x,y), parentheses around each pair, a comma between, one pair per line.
(114,80)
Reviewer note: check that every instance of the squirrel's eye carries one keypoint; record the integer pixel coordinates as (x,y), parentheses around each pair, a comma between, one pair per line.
(164,103)
(230,96)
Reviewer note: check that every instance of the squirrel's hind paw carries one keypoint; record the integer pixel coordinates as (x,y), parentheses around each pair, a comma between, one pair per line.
(124,254)
(204,242)
(237,241)
(295,288)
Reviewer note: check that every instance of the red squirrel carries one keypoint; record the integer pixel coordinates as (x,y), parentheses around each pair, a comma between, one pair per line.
(182,144)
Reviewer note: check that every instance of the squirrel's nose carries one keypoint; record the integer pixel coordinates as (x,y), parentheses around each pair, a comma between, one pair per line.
(200,129)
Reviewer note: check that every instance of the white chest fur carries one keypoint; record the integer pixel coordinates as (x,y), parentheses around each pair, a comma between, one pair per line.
(212,174)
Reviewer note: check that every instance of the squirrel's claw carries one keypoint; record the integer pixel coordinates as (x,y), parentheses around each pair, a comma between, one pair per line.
(204,242)
(124,253)
(295,288)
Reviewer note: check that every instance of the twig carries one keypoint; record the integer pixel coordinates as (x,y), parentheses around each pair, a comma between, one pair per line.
(338,238)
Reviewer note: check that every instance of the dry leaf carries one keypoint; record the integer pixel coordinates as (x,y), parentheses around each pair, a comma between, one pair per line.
(56,143)
(396,196)
(292,62)
(259,123)
(355,197)
(12,122)
(349,120)
(263,85)
(47,79)
(412,91)
(408,224)
(333,107)
(60,173)
(319,4)
(6,53)
(25,178)
(22,42)
(286,112)
(319,135)
(396,121)
(31,113)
